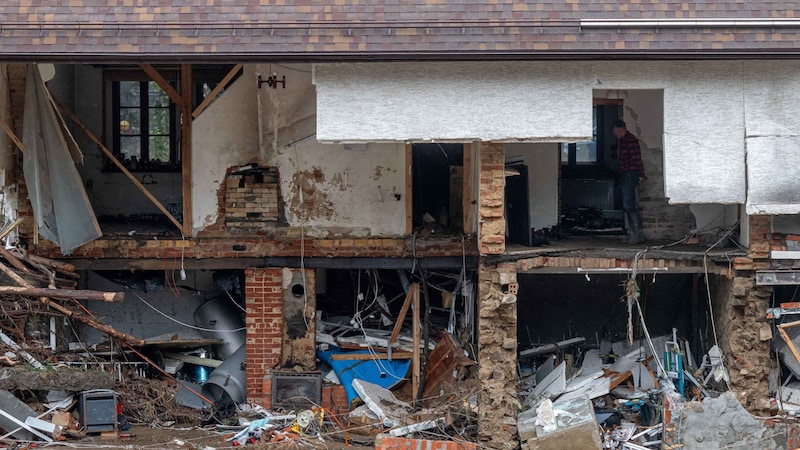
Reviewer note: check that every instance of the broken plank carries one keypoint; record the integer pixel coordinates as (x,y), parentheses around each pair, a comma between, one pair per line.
(368,356)
(64,293)
(398,325)
(196,360)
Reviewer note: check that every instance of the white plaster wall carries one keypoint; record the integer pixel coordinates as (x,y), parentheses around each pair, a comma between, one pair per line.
(224,135)
(703,112)
(328,189)
(457,101)
(773,136)
(542,161)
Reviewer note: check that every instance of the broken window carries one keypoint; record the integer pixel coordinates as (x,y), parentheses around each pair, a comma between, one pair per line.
(437,180)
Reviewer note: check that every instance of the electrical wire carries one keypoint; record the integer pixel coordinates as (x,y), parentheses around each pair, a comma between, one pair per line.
(182,323)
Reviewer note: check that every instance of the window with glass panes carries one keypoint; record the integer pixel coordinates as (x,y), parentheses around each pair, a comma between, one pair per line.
(146,118)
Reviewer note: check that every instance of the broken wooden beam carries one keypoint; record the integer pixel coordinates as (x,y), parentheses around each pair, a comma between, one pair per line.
(66,268)
(368,356)
(90,321)
(64,293)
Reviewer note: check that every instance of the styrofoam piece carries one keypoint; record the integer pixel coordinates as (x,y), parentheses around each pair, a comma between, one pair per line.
(595,388)
(553,384)
(41,425)
(382,402)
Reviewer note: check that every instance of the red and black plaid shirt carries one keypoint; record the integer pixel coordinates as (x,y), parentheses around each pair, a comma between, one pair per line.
(630,155)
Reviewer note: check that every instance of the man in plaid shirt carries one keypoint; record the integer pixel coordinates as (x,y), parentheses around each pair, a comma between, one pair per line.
(631,170)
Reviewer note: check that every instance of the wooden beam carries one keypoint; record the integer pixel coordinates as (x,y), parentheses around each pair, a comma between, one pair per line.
(415,361)
(208,362)
(398,323)
(80,294)
(409,191)
(222,85)
(368,356)
(12,135)
(466,195)
(164,84)
(186,147)
(119,165)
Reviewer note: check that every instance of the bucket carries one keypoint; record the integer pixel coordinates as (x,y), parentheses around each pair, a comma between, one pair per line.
(228,382)
(222,317)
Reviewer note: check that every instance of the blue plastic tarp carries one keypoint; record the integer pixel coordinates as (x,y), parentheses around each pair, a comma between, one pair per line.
(384,373)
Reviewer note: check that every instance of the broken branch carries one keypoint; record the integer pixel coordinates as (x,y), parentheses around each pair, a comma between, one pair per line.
(64,293)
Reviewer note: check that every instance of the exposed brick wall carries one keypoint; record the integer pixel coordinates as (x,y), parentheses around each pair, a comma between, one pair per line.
(497,355)
(385,442)
(492,231)
(264,321)
(334,399)
(251,201)
(740,308)
(284,242)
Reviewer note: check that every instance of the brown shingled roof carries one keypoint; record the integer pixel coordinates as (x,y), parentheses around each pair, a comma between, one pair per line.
(393,29)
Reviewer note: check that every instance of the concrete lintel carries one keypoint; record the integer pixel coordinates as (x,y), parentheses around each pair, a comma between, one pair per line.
(777,277)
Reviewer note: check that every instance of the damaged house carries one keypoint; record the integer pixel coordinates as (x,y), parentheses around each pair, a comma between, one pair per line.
(270,184)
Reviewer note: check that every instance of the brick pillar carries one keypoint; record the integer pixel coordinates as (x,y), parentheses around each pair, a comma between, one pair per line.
(739,311)
(264,321)
(492,231)
(497,355)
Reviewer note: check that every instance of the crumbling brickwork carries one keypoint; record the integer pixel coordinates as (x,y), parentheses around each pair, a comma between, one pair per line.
(740,309)
(497,355)
(492,234)
(251,201)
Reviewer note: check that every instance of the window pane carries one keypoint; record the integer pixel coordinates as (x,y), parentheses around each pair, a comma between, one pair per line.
(130,146)
(155,96)
(129,94)
(130,121)
(586,152)
(159,121)
(159,148)
(564,153)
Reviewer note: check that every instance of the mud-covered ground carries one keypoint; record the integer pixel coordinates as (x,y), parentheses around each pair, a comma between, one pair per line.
(144,437)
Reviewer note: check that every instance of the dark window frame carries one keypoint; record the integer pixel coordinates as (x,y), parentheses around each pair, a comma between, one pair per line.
(144,116)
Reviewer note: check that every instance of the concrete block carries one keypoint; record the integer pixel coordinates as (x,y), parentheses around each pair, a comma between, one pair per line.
(575,423)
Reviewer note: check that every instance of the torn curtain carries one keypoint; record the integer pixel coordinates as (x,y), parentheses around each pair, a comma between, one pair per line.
(60,204)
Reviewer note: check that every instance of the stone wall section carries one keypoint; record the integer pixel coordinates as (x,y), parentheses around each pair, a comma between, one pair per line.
(740,312)
(497,355)
(492,231)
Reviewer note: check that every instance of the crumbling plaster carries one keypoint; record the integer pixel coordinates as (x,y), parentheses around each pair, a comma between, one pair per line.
(327,188)
(224,135)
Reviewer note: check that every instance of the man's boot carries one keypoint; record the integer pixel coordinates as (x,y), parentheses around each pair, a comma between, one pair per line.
(636,236)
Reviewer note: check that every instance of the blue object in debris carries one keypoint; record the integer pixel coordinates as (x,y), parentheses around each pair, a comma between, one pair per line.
(382,372)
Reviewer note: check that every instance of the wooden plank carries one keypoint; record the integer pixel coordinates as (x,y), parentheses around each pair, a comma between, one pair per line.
(409,191)
(466,194)
(196,360)
(186,147)
(12,135)
(163,84)
(398,323)
(368,356)
(119,165)
(789,343)
(415,362)
(222,85)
